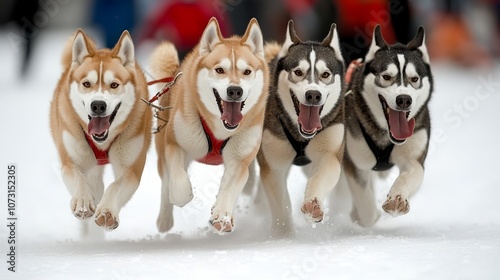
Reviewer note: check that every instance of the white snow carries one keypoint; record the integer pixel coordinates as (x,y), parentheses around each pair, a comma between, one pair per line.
(451,232)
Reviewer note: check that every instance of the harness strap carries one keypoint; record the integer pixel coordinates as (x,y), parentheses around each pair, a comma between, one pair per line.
(381,155)
(301,158)
(101,156)
(215,147)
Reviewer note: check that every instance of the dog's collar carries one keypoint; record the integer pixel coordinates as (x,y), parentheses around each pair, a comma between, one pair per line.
(301,158)
(101,156)
(215,146)
(381,155)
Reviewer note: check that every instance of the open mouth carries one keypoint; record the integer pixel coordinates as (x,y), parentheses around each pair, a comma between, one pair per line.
(400,128)
(98,126)
(309,117)
(230,111)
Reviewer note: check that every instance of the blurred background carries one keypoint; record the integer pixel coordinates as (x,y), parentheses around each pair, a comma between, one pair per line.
(452,231)
(463,32)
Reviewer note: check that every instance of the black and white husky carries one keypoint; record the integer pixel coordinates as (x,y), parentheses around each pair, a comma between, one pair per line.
(387,124)
(303,124)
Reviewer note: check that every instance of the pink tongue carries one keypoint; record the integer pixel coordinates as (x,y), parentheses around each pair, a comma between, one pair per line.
(399,126)
(309,118)
(98,125)
(232,113)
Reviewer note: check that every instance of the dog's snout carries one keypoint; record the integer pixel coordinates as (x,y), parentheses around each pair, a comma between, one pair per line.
(403,101)
(234,92)
(98,107)
(313,97)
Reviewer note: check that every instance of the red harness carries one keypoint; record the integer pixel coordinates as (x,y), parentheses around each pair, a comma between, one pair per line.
(215,146)
(100,155)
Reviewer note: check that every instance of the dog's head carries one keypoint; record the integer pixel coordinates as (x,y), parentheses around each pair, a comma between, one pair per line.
(309,77)
(231,75)
(397,83)
(102,88)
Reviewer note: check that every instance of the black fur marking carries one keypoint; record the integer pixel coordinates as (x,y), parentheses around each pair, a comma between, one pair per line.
(382,155)
(301,158)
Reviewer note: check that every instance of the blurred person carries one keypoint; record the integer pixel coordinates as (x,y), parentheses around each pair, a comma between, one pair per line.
(112,17)
(22,13)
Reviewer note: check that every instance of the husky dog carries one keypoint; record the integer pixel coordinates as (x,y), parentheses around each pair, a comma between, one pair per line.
(216,117)
(303,124)
(97,117)
(388,124)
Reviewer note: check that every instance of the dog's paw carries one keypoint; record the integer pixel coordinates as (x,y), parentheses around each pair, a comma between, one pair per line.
(106,219)
(222,222)
(396,205)
(181,192)
(83,207)
(313,211)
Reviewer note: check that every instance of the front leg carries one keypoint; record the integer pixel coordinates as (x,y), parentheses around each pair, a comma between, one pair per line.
(116,195)
(324,177)
(364,210)
(232,183)
(408,182)
(82,201)
(273,176)
(325,152)
(409,157)
(127,158)
(180,191)
(238,154)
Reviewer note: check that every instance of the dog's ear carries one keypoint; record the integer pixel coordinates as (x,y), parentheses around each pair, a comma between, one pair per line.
(253,38)
(211,36)
(378,42)
(332,40)
(81,48)
(418,43)
(291,39)
(124,50)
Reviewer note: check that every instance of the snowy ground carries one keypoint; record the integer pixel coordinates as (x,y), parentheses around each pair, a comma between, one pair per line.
(451,232)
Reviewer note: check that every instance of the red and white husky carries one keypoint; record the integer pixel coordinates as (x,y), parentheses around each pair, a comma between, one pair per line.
(216,118)
(97,117)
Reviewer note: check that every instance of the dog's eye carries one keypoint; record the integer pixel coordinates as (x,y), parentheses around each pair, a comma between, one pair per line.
(298,72)
(414,79)
(219,70)
(386,77)
(114,85)
(325,75)
(86,84)
(247,72)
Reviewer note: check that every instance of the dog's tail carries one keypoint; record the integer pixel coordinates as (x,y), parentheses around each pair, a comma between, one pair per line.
(271,50)
(164,61)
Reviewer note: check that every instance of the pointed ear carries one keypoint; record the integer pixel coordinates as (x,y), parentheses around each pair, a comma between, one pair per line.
(378,42)
(124,49)
(81,47)
(253,38)
(332,40)
(291,39)
(211,36)
(418,43)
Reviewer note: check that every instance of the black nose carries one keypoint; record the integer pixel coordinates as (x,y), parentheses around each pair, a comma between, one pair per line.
(403,101)
(313,97)
(98,107)
(234,92)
